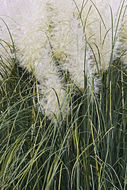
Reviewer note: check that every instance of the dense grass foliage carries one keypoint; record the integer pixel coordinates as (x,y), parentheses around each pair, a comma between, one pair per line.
(83,149)
(86,150)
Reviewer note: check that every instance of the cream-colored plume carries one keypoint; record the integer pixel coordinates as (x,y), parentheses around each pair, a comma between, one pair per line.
(80,36)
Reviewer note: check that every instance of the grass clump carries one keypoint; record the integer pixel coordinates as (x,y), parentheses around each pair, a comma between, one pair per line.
(85,151)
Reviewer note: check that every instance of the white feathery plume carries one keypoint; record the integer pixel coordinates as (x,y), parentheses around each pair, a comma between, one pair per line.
(26,20)
(76,22)
(66,38)
(121,44)
(50,31)
(100,18)
(6,41)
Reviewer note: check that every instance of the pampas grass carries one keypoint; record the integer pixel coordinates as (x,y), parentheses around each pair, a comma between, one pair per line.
(53,38)
(28,28)
(63,118)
